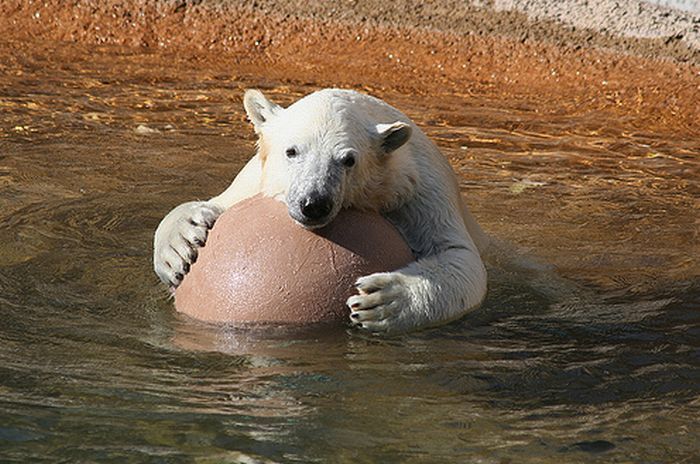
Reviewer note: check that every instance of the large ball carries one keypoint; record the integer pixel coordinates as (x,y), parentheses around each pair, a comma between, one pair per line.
(259,266)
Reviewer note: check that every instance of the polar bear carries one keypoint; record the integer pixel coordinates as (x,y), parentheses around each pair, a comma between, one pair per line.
(337,149)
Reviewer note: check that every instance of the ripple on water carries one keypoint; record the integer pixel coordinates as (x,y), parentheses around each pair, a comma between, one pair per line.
(599,361)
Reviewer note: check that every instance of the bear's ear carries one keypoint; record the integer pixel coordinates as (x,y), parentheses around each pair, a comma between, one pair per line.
(394,135)
(259,108)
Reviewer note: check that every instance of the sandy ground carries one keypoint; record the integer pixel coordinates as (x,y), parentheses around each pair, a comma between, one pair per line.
(672,32)
(624,56)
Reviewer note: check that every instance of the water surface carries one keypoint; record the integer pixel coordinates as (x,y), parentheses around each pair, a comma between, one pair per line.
(600,364)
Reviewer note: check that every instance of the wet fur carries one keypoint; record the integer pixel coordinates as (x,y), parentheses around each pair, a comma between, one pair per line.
(413,186)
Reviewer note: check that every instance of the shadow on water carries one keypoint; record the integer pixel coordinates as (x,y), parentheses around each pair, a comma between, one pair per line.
(600,363)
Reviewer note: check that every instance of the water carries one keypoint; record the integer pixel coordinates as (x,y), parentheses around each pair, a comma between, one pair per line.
(95,366)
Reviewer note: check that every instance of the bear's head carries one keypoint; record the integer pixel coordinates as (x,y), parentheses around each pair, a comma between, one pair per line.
(326,152)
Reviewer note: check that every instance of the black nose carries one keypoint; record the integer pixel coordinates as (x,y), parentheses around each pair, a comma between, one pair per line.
(316,207)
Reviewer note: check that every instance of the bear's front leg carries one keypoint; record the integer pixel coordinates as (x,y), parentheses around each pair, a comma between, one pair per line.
(428,292)
(178,238)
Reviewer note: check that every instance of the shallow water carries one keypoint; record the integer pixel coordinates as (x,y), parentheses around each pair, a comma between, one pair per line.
(600,365)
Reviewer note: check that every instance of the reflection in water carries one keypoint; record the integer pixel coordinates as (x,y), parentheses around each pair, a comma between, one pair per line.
(95,365)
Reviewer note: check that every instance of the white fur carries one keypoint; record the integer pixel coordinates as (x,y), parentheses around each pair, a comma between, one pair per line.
(398,172)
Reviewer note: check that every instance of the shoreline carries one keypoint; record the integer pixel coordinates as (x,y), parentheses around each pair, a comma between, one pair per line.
(415,54)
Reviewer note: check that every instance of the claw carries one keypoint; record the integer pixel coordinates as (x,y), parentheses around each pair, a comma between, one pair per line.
(381,300)
(178,238)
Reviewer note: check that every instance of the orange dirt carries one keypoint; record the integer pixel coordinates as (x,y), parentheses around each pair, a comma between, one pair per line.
(657,94)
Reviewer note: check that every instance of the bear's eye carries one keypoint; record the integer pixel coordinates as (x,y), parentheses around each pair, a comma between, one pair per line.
(291,152)
(348,160)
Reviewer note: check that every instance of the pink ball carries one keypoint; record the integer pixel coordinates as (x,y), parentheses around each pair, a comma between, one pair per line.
(259,266)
